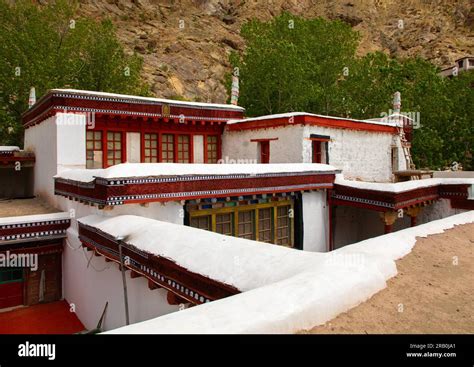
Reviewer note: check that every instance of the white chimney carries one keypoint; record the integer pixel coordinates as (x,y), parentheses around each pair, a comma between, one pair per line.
(397,102)
(234,96)
(32,99)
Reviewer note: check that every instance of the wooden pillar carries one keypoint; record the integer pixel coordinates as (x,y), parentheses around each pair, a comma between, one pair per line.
(388,219)
(413,213)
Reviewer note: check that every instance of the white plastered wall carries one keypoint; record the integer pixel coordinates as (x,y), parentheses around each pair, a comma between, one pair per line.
(237,145)
(41,139)
(59,143)
(89,287)
(360,155)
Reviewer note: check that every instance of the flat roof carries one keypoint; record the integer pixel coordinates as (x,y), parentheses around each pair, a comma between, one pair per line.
(130,170)
(127,97)
(304,118)
(294,114)
(24,207)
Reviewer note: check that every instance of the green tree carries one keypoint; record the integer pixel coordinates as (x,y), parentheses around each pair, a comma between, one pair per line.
(312,67)
(51,47)
(291,63)
(458,133)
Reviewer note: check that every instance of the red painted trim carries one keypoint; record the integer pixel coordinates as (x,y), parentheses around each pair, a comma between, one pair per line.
(50,104)
(8,160)
(393,201)
(312,121)
(192,189)
(204,286)
(264,139)
(32,228)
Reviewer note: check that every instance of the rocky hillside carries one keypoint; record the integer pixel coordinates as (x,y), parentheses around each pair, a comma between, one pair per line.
(185,44)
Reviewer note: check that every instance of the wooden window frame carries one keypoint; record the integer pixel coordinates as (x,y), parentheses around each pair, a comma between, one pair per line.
(93,143)
(173,148)
(236,209)
(123,152)
(178,150)
(207,151)
(144,139)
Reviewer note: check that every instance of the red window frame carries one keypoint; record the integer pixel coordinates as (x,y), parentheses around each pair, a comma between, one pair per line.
(97,144)
(264,151)
(212,149)
(151,147)
(117,154)
(167,146)
(316,148)
(183,149)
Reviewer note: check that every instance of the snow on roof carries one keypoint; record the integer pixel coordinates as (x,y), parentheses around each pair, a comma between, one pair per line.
(127,170)
(34,218)
(235,261)
(346,278)
(294,114)
(150,99)
(402,186)
(7,148)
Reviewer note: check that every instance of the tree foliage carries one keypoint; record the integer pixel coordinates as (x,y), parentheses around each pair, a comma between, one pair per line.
(49,47)
(313,67)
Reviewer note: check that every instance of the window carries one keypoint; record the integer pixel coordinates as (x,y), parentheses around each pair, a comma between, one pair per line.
(114,148)
(183,149)
(202,222)
(265,233)
(212,149)
(264,151)
(268,222)
(94,155)
(10,275)
(283,226)
(224,224)
(167,147)
(317,151)
(247,225)
(150,152)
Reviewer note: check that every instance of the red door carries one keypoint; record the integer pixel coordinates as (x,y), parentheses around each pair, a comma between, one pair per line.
(264,152)
(317,152)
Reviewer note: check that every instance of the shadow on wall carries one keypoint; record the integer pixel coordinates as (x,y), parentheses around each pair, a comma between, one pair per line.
(16,183)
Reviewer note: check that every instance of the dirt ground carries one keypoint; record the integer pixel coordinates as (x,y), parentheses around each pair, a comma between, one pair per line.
(20,207)
(432,293)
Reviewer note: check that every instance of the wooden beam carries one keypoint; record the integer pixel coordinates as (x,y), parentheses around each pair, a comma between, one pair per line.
(174,299)
(152,285)
(134,275)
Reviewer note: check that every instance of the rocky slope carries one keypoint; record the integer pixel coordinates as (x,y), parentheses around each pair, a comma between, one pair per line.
(185,44)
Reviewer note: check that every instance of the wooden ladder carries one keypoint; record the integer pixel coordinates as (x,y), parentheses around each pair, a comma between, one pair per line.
(406,146)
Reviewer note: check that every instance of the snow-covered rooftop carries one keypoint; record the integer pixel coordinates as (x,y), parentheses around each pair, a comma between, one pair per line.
(34,218)
(402,186)
(127,170)
(9,148)
(295,114)
(337,282)
(148,99)
(242,263)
